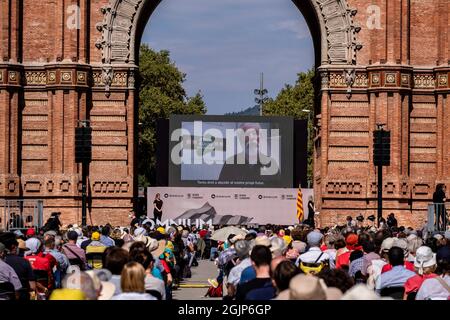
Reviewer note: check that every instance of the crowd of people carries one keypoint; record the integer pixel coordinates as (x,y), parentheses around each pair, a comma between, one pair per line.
(343,262)
(299,262)
(139,262)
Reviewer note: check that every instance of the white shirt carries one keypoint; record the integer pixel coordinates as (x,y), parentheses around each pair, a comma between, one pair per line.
(235,274)
(432,289)
(374,272)
(133,296)
(312,256)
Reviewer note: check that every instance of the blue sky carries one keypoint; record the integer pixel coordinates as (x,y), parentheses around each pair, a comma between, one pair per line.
(224,45)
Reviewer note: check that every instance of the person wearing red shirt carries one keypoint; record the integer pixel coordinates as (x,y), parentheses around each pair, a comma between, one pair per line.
(40,261)
(351,243)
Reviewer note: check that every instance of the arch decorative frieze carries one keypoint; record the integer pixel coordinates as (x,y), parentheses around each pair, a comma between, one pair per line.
(119,25)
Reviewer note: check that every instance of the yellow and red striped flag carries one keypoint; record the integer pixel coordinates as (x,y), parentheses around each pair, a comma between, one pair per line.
(300,212)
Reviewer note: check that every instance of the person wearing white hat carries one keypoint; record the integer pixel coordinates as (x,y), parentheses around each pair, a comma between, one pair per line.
(104,289)
(437,288)
(425,265)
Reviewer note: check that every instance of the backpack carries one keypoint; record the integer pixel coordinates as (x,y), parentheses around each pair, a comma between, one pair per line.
(215,292)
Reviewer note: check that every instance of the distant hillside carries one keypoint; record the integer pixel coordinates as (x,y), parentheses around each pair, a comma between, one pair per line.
(252,111)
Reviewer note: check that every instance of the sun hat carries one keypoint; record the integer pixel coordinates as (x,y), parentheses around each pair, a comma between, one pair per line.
(236,238)
(242,248)
(50,233)
(314,238)
(95,236)
(401,243)
(306,287)
(152,244)
(277,247)
(360,292)
(106,288)
(262,241)
(161,247)
(424,258)
(387,244)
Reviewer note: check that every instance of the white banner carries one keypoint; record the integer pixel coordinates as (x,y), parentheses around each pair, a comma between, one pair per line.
(228,205)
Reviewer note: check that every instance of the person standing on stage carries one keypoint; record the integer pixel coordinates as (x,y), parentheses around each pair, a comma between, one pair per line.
(439,199)
(311,212)
(157,208)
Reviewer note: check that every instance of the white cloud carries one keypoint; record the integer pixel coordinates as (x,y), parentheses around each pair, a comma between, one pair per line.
(298,27)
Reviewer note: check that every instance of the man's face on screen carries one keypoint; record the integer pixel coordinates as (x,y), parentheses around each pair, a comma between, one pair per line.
(251,134)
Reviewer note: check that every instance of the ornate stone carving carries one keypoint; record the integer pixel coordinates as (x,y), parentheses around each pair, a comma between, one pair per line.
(120,79)
(81,77)
(361,80)
(340,31)
(405,80)
(118,28)
(51,77)
(12,76)
(97,77)
(36,78)
(390,79)
(375,79)
(131,80)
(424,81)
(107,78)
(443,80)
(349,76)
(66,76)
(337,80)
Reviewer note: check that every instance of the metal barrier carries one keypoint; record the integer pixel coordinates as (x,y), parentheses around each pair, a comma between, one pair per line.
(21,214)
(437,217)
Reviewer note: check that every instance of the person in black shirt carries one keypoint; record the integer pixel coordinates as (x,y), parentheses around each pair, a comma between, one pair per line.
(439,199)
(20,265)
(157,205)
(53,223)
(392,221)
(261,287)
(311,212)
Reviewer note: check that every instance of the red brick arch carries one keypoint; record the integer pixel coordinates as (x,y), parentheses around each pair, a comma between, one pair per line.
(384,61)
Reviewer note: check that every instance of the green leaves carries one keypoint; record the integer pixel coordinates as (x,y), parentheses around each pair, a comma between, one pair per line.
(161,94)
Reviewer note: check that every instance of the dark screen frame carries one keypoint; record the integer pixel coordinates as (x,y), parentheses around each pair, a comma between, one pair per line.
(286,126)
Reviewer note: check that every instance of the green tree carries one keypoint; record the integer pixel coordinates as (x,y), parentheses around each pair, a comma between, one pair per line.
(161,94)
(290,101)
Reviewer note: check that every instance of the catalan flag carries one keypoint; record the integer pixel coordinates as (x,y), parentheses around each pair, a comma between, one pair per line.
(300,212)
